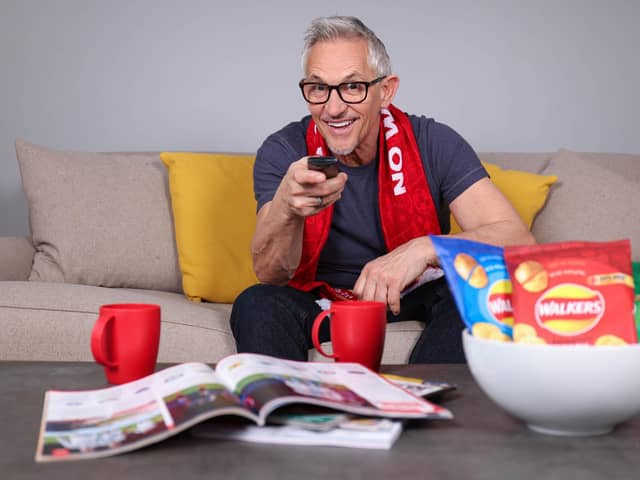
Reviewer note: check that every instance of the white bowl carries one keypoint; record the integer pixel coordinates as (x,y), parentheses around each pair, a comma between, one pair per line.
(574,390)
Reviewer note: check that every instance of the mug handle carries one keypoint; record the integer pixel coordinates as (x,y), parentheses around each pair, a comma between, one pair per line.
(98,341)
(315,330)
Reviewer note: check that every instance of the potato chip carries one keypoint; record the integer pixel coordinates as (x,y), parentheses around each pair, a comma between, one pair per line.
(500,337)
(484,330)
(609,340)
(532,340)
(521,330)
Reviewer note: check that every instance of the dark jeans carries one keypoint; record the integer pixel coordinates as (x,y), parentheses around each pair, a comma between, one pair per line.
(276,320)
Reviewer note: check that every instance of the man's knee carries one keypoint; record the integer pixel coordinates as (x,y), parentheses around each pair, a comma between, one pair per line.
(247,299)
(249,305)
(268,306)
(272,320)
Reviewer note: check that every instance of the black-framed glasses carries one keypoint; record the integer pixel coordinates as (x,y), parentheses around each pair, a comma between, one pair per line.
(317,93)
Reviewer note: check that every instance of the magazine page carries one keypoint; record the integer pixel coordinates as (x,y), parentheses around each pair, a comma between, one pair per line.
(418,386)
(352,432)
(97,423)
(266,383)
(430,274)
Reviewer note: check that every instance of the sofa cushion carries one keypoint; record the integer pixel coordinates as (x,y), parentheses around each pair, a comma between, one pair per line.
(99,219)
(597,198)
(526,191)
(215,217)
(53,321)
(16,258)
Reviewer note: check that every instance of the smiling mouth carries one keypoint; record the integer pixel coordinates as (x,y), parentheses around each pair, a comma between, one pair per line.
(342,124)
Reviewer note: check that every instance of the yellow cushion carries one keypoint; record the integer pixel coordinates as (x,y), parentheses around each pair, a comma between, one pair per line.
(214,214)
(526,191)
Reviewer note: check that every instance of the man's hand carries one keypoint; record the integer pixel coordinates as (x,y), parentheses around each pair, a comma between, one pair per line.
(305,192)
(384,278)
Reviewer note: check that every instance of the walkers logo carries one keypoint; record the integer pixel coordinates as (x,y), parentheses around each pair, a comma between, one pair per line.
(569,309)
(499,302)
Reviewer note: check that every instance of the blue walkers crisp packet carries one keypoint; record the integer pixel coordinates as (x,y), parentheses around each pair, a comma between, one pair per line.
(479,282)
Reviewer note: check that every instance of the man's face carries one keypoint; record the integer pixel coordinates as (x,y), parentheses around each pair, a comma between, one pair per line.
(349,129)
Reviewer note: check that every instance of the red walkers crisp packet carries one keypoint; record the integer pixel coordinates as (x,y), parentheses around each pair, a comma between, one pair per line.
(572,292)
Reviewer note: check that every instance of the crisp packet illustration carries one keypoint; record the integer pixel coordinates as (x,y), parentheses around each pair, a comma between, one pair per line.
(479,282)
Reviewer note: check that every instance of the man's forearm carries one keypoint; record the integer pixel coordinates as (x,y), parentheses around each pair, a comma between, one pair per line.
(500,233)
(277,245)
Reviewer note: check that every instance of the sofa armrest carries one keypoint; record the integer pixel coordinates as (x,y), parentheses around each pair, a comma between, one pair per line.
(16,258)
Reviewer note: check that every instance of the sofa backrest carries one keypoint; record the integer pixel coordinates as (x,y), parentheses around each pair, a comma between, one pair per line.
(105,218)
(528,162)
(596,198)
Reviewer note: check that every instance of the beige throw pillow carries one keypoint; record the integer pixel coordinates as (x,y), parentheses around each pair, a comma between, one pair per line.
(597,198)
(99,219)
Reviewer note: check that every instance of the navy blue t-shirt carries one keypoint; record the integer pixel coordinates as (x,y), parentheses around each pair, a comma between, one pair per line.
(355,238)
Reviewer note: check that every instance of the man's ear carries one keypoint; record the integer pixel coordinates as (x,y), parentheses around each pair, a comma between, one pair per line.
(388,89)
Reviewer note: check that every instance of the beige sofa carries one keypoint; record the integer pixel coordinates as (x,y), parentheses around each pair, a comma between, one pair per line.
(595,198)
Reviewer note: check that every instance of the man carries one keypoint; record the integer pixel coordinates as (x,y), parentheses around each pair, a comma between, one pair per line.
(366,229)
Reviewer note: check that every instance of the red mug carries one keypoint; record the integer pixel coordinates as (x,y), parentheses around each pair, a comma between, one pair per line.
(125,340)
(357,332)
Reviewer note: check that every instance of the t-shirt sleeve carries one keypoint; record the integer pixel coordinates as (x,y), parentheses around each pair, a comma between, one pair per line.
(452,165)
(273,158)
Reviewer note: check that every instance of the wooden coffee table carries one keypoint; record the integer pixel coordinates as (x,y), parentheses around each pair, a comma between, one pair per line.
(482,442)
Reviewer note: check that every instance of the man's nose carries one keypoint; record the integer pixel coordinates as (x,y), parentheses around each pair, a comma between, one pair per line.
(334,106)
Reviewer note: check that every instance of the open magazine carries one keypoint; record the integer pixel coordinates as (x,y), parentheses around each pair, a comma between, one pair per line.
(99,423)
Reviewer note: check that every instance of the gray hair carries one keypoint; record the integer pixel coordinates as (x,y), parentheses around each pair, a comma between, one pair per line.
(334,28)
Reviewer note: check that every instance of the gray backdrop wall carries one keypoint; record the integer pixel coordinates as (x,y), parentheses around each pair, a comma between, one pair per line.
(219,76)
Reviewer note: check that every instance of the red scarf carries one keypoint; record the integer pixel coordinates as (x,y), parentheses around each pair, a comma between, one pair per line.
(406,206)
